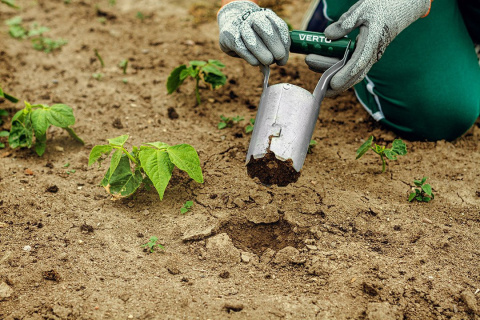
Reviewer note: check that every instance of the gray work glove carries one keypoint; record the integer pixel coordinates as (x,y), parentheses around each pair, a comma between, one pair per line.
(380,21)
(255,34)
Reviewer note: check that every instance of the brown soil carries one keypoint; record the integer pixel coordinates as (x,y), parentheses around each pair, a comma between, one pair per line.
(270,170)
(342,242)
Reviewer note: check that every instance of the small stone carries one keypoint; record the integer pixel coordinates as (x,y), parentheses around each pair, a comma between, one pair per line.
(288,255)
(5,291)
(80,241)
(426,220)
(224,274)
(58,148)
(27,248)
(28,172)
(130,316)
(311,247)
(233,306)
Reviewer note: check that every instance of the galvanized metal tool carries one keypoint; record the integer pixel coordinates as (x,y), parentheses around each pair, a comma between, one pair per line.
(287,114)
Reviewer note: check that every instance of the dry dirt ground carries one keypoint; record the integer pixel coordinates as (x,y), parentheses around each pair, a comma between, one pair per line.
(341,243)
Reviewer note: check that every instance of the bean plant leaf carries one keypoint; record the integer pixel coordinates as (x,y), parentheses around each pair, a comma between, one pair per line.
(118,141)
(4,133)
(364,147)
(174,80)
(185,157)
(215,80)
(61,115)
(97,152)
(116,157)
(40,122)
(399,147)
(390,154)
(212,69)
(122,182)
(216,63)
(40,143)
(427,189)
(412,196)
(21,133)
(197,63)
(158,167)
(158,145)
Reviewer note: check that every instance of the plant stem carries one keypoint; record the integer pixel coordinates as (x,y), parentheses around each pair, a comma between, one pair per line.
(383,162)
(197,92)
(129,155)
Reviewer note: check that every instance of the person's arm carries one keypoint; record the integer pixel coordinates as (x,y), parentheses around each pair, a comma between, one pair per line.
(255,34)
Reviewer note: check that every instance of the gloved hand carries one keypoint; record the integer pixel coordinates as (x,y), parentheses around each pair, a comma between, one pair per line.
(380,21)
(255,34)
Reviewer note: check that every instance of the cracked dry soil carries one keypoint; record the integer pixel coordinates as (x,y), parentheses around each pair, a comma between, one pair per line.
(342,242)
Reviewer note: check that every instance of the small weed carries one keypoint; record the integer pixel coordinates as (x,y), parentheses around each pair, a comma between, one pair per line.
(124,80)
(209,72)
(71,171)
(250,125)
(152,244)
(34,120)
(97,76)
(99,57)
(186,207)
(152,164)
(8,97)
(228,122)
(123,64)
(140,16)
(399,148)
(423,192)
(10,3)
(312,144)
(66,165)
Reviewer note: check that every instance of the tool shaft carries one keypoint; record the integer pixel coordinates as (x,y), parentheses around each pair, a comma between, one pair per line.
(307,42)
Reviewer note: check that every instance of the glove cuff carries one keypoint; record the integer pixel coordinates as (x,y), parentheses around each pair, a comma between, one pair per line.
(232,10)
(429,7)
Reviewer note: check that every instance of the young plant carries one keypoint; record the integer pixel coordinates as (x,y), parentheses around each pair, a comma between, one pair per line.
(97,76)
(228,122)
(99,57)
(3,134)
(152,244)
(423,192)
(123,64)
(7,96)
(250,125)
(209,72)
(34,121)
(10,3)
(150,164)
(186,207)
(399,148)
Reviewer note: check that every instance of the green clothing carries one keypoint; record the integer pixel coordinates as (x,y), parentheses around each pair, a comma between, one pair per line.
(426,86)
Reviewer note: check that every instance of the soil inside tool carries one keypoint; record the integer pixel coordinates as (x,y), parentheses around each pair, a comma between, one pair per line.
(271,170)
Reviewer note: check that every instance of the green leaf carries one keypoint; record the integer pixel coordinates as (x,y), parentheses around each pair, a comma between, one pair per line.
(40,122)
(418,183)
(190,71)
(174,81)
(40,144)
(4,133)
(183,210)
(10,3)
(426,199)
(123,182)
(364,147)
(213,70)
(215,80)
(9,98)
(411,196)
(399,147)
(118,141)
(97,152)
(188,204)
(116,157)
(427,189)
(390,154)
(423,180)
(185,157)
(197,63)
(3,113)
(158,145)
(222,125)
(61,115)
(21,134)
(17,32)
(158,167)
(216,63)
(74,135)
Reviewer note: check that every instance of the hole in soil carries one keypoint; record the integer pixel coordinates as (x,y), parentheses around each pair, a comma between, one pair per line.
(256,238)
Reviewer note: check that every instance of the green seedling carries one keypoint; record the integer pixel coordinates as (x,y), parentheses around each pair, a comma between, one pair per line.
(123,64)
(3,134)
(399,148)
(102,20)
(124,80)
(140,16)
(8,97)
(97,76)
(209,72)
(151,164)
(312,144)
(99,57)
(35,33)
(152,244)
(228,122)
(34,121)
(71,171)
(423,192)
(250,125)
(186,207)
(10,3)
(66,165)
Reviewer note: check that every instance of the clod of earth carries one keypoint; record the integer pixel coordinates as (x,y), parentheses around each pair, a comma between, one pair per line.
(270,170)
